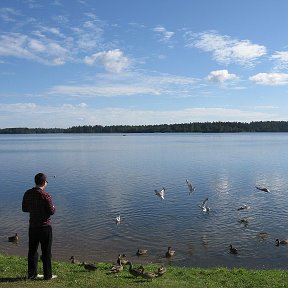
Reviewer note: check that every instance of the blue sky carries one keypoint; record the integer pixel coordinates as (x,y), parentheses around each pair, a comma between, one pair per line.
(90,62)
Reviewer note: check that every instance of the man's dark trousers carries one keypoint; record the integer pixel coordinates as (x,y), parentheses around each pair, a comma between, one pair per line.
(42,235)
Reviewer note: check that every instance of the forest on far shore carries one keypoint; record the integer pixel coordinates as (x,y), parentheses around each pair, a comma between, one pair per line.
(193,127)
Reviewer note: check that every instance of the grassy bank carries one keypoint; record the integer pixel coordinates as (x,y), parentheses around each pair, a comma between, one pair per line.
(13,271)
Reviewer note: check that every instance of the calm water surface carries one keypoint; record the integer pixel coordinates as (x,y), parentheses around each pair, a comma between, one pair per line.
(94,178)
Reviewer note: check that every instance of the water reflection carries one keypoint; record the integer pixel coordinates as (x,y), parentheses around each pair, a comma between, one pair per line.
(101,176)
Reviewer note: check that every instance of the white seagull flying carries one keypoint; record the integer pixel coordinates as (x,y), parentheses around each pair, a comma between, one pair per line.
(161,193)
(204,206)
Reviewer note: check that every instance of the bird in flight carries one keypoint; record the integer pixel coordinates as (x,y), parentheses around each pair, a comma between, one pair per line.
(263,189)
(160,193)
(204,206)
(190,187)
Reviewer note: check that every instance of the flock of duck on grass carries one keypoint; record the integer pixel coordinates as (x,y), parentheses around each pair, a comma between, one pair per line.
(122,260)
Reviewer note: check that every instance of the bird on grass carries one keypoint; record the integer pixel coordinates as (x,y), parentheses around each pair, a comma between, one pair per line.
(122,259)
(117,268)
(148,275)
(233,250)
(169,252)
(204,206)
(160,193)
(136,272)
(264,189)
(161,271)
(14,238)
(190,187)
(141,252)
(74,260)
(282,242)
(89,266)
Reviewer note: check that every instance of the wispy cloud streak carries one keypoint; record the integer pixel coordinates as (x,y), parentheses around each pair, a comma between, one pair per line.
(225,49)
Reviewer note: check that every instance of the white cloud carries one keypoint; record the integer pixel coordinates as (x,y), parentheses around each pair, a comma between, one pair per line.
(37,46)
(165,35)
(8,14)
(225,49)
(281,59)
(32,4)
(51,45)
(221,76)
(53,31)
(104,91)
(60,19)
(267,107)
(83,105)
(113,60)
(88,36)
(33,115)
(128,84)
(44,51)
(67,115)
(18,107)
(272,79)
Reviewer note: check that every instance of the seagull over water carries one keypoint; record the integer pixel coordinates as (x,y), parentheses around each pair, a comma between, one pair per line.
(190,187)
(262,189)
(204,206)
(161,193)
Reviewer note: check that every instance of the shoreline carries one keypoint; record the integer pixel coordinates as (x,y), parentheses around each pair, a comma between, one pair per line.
(13,271)
(147,261)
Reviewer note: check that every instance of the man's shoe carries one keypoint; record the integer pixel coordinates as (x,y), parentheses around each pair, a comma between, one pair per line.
(53,277)
(38,276)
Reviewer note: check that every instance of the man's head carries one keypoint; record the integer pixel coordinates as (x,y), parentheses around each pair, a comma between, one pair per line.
(40,179)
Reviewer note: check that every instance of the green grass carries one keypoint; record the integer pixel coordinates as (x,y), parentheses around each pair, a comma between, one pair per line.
(13,272)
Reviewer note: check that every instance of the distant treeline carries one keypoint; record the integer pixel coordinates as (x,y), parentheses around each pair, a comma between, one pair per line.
(194,127)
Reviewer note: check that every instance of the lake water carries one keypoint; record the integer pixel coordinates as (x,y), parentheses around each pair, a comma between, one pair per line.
(93,178)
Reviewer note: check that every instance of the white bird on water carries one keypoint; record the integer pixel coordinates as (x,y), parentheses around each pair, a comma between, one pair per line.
(161,193)
(190,187)
(118,219)
(204,206)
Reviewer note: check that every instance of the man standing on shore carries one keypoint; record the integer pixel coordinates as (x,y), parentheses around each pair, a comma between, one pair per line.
(38,203)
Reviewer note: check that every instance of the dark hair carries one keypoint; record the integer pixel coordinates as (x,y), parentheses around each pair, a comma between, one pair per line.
(40,179)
